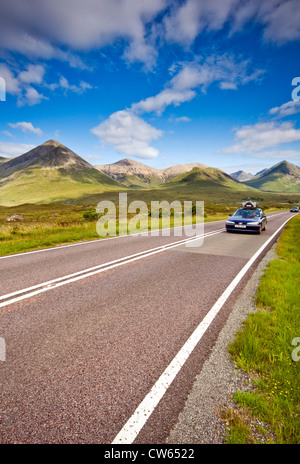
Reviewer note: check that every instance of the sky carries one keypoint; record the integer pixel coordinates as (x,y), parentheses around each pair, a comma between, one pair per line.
(162,82)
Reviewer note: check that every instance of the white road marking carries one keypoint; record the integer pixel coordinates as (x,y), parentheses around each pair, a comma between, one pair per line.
(55,283)
(136,422)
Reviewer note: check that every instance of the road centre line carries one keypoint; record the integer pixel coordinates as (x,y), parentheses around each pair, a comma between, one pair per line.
(136,422)
(55,283)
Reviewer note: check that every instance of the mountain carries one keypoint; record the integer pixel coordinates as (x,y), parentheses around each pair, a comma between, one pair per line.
(178,169)
(282,177)
(241,176)
(132,173)
(207,177)
(135,174)
(3,159)
(48,173)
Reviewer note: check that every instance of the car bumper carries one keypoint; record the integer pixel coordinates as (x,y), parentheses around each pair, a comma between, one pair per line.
(248,228)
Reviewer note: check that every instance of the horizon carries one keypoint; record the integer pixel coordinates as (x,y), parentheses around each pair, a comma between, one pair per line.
(164,83)
(147,165)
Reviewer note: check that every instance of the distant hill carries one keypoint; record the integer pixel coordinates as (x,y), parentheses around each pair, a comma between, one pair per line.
(282,177)
(206,177)
(48,173)
(132,173)
(241,176)
(3,159)
(135,174)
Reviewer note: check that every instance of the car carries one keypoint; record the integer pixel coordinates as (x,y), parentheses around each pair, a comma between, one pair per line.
(294,209)
(248,218)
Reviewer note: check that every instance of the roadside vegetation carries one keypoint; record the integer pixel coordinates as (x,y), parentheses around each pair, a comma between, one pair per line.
(32,227)
(266,348)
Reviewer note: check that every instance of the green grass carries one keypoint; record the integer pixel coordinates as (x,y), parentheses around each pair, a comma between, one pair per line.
(263,348)
(275,183)
(40,185)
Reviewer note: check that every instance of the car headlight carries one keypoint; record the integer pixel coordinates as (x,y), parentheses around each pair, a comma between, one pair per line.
(254,223)
(230,222)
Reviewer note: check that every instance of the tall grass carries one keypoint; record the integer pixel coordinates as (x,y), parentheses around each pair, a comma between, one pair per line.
(264,347)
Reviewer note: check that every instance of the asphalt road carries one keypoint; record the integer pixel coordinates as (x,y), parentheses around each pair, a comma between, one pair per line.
(83,353)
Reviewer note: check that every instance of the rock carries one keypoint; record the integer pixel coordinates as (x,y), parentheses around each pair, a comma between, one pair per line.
(14,218)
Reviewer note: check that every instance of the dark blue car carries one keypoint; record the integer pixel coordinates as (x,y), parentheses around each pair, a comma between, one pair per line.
(249,218)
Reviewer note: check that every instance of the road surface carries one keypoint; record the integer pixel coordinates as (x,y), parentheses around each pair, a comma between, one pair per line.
(104,339)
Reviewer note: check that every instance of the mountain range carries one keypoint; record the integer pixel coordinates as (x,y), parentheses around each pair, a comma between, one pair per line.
(52,172)
(135,174)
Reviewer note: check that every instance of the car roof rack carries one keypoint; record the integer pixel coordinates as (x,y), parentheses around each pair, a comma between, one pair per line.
(250,204)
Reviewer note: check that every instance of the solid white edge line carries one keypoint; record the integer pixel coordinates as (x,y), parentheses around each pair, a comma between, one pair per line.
(46,286)
(135,423)
(89,242)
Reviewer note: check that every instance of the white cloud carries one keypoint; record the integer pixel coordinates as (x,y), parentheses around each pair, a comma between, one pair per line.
(287,109)
(31,97)
(19,83)
(182,119)
(159,102)
(224,69)
(260,136)
(7,133)
(42,28)
(125,130)
(194,16)
(34,74)
(280,20)
(128,134)
(26,127)
(11,150)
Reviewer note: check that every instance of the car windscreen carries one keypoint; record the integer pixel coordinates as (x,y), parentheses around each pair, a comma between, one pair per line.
(247,213)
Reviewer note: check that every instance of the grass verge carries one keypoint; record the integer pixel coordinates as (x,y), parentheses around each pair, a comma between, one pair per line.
(268,349)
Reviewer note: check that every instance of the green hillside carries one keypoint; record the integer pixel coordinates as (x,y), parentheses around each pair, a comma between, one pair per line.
(284,177)
(208,177)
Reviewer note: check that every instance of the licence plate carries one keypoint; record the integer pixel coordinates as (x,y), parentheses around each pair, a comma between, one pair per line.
(240,226)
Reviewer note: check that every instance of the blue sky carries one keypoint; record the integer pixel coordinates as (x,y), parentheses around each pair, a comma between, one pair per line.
(159,81)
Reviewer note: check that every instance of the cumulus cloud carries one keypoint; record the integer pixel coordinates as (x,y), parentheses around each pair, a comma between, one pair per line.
(64,84)
(42,29)
(280,20)
(257,137)
(11,150)
(194,16)
(19,83)
(225,69)
(23,83)
(26,127)
(128,134)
